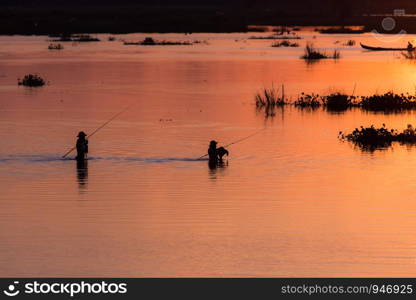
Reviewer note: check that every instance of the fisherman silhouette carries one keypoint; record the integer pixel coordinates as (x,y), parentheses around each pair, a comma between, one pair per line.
(215,154)
(82,146)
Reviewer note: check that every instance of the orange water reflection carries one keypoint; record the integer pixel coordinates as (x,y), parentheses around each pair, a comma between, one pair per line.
(292,201)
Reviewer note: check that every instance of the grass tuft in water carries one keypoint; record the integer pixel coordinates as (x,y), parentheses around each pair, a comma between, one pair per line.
(55,47)
(308,100)
(285,43)
(269,97)
(311,53)
(349,43)
(338,101)
(268,100)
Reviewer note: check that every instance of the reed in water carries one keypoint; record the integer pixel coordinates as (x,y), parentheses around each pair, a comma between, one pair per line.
(268,99)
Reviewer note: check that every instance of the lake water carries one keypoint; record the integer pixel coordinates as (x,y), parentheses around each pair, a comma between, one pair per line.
(292,200)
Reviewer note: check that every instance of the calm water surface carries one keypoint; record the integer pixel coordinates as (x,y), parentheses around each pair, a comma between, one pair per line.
(290,201)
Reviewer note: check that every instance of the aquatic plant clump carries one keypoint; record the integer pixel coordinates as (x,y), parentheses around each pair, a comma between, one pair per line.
(32,80)
(275,37)
(338,101)
(349,43)
(373,138)
(308,100)
(285,44)
(148,41)
(84,38)
(311,53)
(335,101)
(388,102)
(55,47)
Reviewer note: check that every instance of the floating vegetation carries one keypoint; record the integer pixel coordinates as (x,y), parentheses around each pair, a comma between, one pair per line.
(74,38)
(64,37)
(55,47)
(148,41)
(311,53)
(349,43)
(31,80)
(84,38)
(200,42)
(334,102)
(372,138)
(338,101)
(308,100)
(275,37)
(285,44)
(388,102)
(342,29)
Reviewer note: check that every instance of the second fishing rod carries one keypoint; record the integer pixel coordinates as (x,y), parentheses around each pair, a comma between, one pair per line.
(238,141)
(98,129)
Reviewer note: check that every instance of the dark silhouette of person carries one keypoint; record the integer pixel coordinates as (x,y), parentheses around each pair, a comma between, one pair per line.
(215,154)
(212,152)
(82,146)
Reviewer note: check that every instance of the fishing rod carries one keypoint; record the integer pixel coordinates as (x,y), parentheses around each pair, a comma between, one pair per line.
(238,141)
(98,129)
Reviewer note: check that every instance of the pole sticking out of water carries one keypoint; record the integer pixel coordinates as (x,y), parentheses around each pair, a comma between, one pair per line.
(98,129)
(238,141)
(353,91)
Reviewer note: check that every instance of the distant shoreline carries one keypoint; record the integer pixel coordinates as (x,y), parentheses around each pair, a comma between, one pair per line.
(124,20)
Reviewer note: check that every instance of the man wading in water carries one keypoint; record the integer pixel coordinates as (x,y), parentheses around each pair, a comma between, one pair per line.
(215,154)
(82,146)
